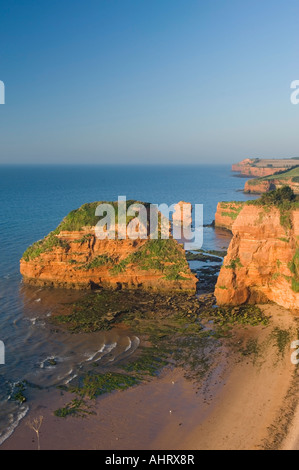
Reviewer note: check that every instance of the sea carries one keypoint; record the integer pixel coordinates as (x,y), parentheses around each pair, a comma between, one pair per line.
(33,201)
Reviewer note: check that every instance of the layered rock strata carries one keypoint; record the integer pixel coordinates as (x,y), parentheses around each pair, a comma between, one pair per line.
(262,262)
(73,257)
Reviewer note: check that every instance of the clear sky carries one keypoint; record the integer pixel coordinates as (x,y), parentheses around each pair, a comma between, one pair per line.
(148,81)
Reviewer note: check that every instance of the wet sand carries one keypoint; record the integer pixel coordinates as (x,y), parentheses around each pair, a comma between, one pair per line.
(246,402)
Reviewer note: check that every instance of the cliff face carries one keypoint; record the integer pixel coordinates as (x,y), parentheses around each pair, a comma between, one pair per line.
(226,214)
(257,186)
(248,170)
(239,167)
(78,259)
(262,263)
(263,167)
(260,172)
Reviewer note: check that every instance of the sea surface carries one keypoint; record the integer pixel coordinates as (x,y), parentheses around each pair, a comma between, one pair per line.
(33,201)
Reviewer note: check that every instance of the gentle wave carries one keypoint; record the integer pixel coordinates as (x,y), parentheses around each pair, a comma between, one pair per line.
(107,349)
(15,421)
(129,345)
(93,355)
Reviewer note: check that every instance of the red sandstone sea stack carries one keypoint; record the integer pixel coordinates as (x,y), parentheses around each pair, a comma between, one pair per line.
(262,262)
(73,257)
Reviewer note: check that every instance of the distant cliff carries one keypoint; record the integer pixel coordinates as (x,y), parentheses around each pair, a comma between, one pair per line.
(258,167)
(262,262)
(73,257)
(263,185)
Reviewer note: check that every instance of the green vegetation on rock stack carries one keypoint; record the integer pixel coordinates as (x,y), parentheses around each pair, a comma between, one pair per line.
(279,197)
(284,199)
(50,242)
(163,255)
(231,209)
(294,268)
(159,255)
(84,216)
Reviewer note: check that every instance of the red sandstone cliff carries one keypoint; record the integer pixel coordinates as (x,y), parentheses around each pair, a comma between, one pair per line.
(263,167)
(227,213)
(248,170)
(79,260)
(239,167)
(262,263)
(257,186)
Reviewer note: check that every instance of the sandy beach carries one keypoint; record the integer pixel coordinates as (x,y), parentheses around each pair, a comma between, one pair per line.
(247,401)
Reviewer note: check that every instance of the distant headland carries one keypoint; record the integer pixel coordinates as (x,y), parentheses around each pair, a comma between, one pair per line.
(269,174)
(261,167)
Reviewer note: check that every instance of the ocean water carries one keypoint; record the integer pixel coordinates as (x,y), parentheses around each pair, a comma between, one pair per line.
(33,200)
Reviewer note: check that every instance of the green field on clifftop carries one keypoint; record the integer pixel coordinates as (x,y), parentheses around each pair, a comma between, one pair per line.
(292,174)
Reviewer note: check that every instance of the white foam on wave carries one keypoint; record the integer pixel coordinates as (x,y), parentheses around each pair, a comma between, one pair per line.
(136,342)
(133,345)
(107,349)
(129,345)
(35,321)
(49,366)
(22,413)
(67,381)
(90,357)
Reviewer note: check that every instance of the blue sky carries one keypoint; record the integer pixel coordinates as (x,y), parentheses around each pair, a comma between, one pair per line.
(148,81)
